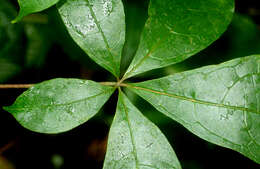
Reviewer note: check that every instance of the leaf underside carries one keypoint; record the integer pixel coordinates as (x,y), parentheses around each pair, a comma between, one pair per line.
(135,142)
(98,27)
(59,105)
(31,6)
(220,104)
(178,29)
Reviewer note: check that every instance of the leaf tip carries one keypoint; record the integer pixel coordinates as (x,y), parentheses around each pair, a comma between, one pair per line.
(9,109)
(6,108)
(14,21)
(17,19)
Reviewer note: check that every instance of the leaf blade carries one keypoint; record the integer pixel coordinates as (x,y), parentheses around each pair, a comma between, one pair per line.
(176,30)
(133,141)
(59,105)
(100,35)
(31,6)
(231,119)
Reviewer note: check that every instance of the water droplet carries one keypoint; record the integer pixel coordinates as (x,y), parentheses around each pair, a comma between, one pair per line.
(91,24)
(27,117)
(107,7)
(45,123)
(37,91)
(84,29)
(73,110)
(57,161)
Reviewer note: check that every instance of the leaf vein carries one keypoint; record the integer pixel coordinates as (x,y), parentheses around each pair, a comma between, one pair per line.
(102,33)
(131,134)
(194,100)
(65,104)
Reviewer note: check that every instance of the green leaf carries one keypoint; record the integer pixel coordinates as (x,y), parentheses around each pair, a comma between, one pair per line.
(98,27)
(220,104)
(31,6)
(59,105)
(177,29)
(135,142)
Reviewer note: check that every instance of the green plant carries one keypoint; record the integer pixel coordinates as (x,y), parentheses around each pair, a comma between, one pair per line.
(217,103)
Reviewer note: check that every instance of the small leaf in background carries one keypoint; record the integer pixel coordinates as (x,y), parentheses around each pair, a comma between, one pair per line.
(243,36)
(10,36)
(135,142)
(134,29)
(8,70)
(5,164)
(178,29)
(57,161)
(9,33)
(31,6)
(220,104)
(38,45)
(59,105)
(98,27)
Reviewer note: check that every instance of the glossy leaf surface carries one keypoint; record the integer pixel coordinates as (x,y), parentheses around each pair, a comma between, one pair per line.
(59,105)
(220,104)
(98,27)
(135,142)
(177,29)
(31,6)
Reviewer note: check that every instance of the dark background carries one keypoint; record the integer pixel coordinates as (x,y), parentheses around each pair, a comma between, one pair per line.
(84,146)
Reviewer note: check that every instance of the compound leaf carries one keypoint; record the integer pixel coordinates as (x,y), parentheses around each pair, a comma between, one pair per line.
(98,27)
(31,6)
(177,29)
(220,104)
(59,105)
(135,142)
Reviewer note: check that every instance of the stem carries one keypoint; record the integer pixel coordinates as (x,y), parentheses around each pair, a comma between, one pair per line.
(6,147)
(115,84)
(25,86)
(108,83)
(15,86)
(123,79)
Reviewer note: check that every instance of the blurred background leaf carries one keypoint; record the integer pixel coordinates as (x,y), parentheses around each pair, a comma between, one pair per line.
(10,38)
(5,164)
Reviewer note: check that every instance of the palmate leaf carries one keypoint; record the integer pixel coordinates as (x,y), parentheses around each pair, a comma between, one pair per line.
(177,29)
(98,27)
(31,6)
(220,104)
(59,105)
(135,142)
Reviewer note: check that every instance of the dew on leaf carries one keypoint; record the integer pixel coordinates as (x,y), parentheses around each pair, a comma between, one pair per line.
(27,116)
(80,19)
(107,7)
(73,110)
